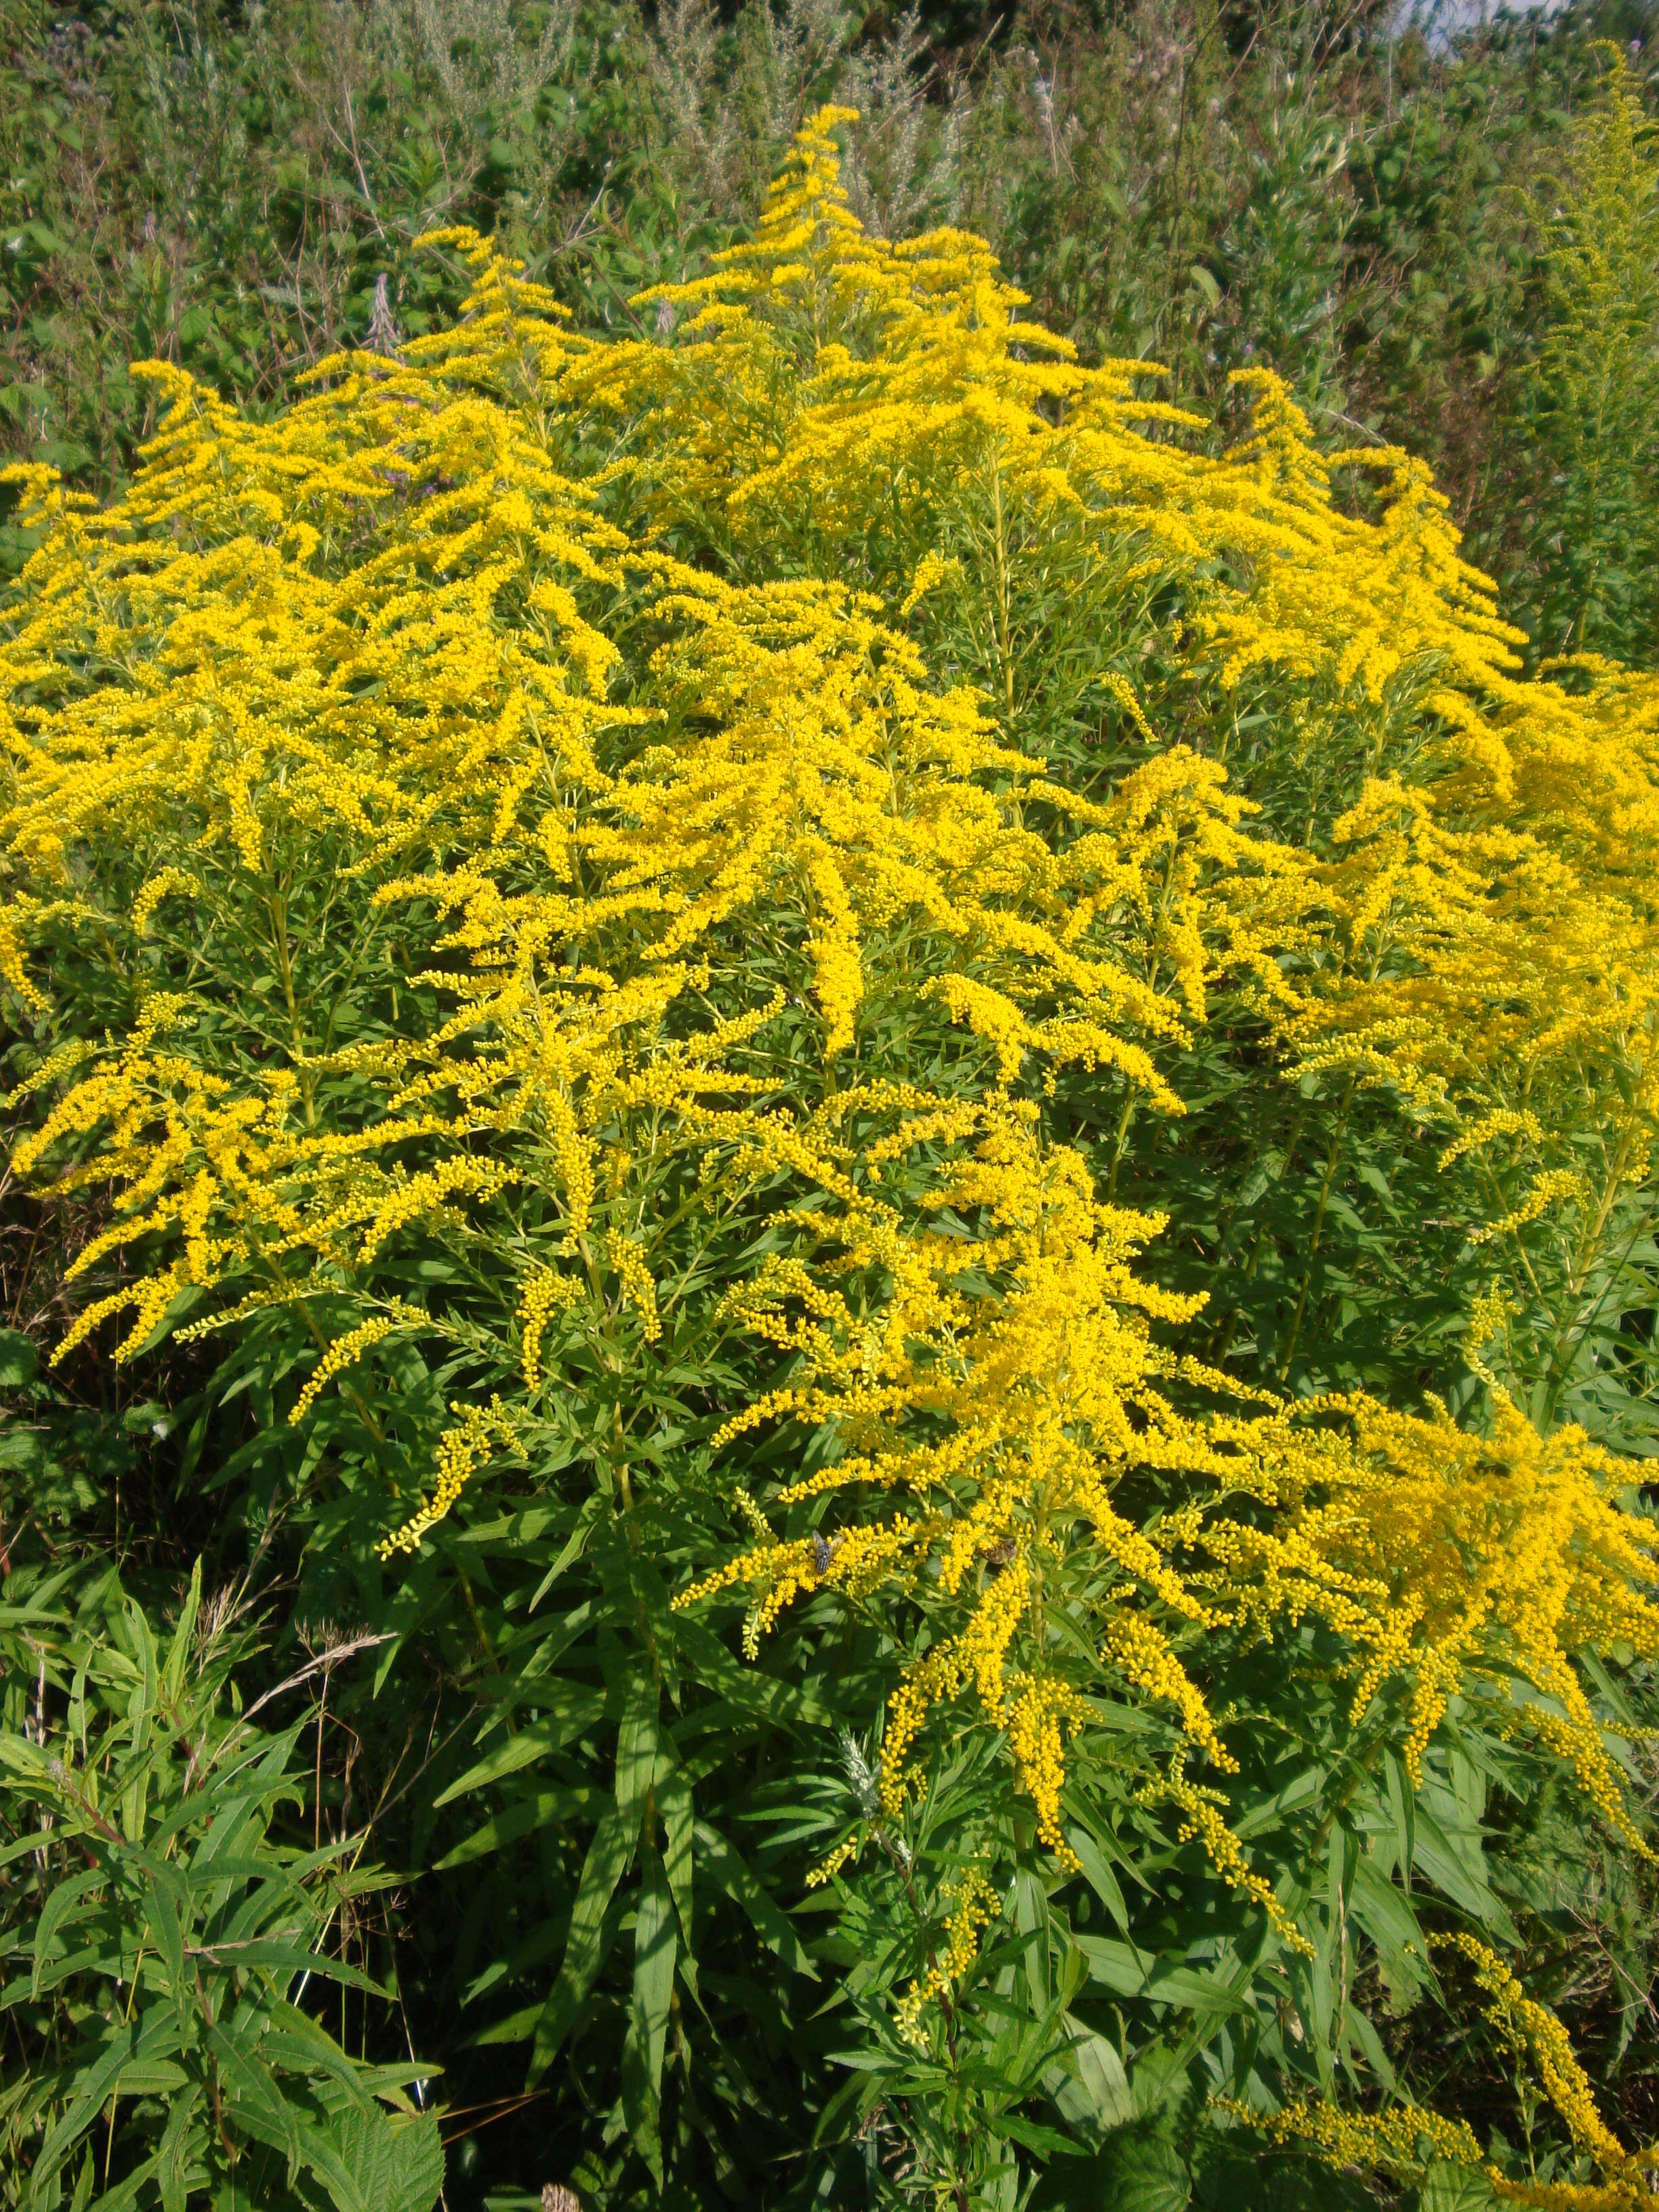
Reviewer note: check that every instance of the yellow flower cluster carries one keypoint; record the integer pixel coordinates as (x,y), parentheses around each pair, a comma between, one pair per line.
(1042,1715)
(346,1350)
(347,688)
(1401,2141)
(545,1294)
(1202,1817)
(1536,2035)
(1393,2142)
(1487,942)
(1504,1555)
(977,1904)
(461,1452)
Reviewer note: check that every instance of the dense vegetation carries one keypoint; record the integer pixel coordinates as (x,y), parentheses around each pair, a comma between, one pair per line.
(829,1246)
(227,188)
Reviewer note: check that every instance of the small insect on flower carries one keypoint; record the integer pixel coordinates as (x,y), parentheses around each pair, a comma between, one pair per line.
(825,1549)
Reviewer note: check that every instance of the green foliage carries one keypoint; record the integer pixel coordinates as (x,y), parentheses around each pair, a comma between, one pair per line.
(224,191)
(1591,583)
(1172,181)
(161,1934)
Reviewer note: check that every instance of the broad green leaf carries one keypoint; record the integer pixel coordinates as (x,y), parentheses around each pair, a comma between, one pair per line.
(1093,2090)
(1450,2188)
(19,1361)
(1136,2170)
(372,2161)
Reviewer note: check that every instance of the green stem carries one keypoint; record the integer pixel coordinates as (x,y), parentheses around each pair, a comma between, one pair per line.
(278,907)
(1332,1159)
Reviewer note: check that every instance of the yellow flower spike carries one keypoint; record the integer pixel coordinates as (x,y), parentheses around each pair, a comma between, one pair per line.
(544,1295)
(1393,2142)
(827,1869)
(462,1450)
(640,1292)
(1387,2142)
(1201,1818)
(1042,1715)
(975,1904)
(346,1350)
(1534,2033)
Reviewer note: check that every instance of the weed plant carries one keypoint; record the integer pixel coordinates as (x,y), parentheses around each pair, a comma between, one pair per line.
(1375,217)
(833,1202)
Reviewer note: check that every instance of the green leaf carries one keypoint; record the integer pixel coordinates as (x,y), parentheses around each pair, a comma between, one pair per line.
(1131,1973)
(525,1817)
(61,1901)
(349,2162)
(637,1746)
(19,1361)
(294,2041)
(1386,1917)
(1451,2188)
(655,1945)
(1093,2090)
(1363,2032)
(417,2162)
(574,1708)
(1136,2170)
(1453,1873)
(164,1928)
(607,1859)
(177,2170)
(290,1960)
(674,1803)
(1402,1803)
(90,2086)
(748,1690)
(727,1874)
(1098,1874)
(575,1545)
(173,1674)
(261,2108)
(371,2161)
(1265,2181)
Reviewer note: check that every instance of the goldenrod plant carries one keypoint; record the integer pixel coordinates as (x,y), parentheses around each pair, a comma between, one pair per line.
(916,1122)
(1594,397)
